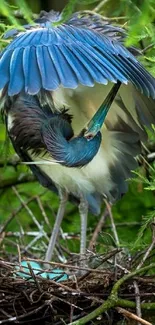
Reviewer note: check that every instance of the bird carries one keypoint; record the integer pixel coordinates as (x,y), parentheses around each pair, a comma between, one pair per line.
(76,64)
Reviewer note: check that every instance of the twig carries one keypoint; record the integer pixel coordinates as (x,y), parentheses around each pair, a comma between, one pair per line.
(138,302)
(100,5)
(137,293)
(69,266)
(40,235)
(19,14)
(102,260)
(69,303)
(112,223)
(19,254)
(114,230)
(150,46)
(131,304)
(30,212)
(97,230)
(129,276)
(16,318)
(25,233)
(13,215)
(34,277)
(17,180)
(115,18)
(5,313)
(43,212)
(148,251)
(130,315)
(13,161)
(122,268)
(125,224)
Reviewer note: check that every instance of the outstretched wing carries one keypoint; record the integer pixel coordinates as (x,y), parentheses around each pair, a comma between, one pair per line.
(48,57)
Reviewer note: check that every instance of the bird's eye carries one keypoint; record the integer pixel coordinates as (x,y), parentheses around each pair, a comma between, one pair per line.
(89,137)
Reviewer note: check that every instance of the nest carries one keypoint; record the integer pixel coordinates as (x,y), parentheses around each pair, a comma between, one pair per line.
(27,301)
(113,286)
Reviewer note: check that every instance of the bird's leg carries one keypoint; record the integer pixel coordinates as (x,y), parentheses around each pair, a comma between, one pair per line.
(83,210)
(63,200)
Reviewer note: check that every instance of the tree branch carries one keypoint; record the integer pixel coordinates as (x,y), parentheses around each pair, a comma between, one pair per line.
(114,301)
(16,180)
(130,315)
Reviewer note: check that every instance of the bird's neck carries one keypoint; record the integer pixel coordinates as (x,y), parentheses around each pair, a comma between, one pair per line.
(66,149)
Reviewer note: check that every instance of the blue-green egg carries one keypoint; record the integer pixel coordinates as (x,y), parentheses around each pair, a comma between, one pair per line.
(38,270)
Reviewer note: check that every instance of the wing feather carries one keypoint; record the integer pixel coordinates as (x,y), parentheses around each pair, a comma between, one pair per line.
(63,49)
(16,71)
(32,77)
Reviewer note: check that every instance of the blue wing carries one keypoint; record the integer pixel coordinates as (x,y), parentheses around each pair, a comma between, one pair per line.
(48,57)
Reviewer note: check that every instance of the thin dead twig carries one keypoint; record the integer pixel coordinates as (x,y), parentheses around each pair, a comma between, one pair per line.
(97,230)
(17,180)
(112,223)
(138,301)
(100,6)
(148,251)
(32,312)
(30,212)
(19,254)
(33,241)
(34,277)
(137,292)
(130,315)
(103,260)
(114,230)
(43,212)
(69,266)
(14,214)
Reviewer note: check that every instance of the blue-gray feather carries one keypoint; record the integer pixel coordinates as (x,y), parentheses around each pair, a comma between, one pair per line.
(100,59)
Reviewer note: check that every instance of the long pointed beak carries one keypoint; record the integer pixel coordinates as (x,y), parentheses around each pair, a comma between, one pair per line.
(95,124)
